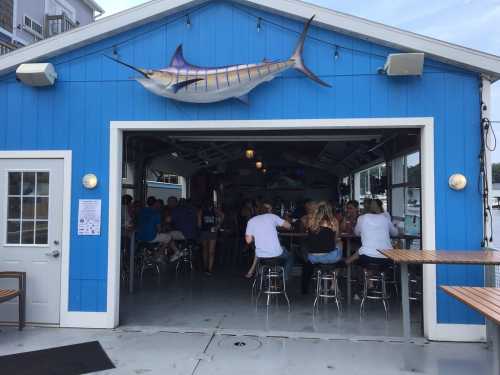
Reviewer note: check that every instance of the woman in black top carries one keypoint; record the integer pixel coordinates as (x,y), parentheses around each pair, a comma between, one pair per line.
(321,241)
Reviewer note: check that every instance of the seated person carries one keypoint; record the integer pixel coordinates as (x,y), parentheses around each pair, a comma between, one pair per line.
(261,230)
(375,230)
(321,241)
(351,217)
(167,236)
(148,222)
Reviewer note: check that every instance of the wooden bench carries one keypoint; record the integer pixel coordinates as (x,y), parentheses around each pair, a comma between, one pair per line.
(20,292)
(487,302)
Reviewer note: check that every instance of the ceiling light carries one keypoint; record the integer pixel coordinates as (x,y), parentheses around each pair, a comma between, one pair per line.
(249,153)
(259,164)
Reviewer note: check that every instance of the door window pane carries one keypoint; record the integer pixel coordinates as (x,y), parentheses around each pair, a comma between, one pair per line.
(14,209)
(13,231)
(29,183)
(27,232)
(41,232)
(42,208)
(15,183)
(27,208)
(42,183)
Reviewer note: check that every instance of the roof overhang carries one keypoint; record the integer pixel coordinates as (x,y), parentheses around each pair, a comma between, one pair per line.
(94,6)
(470,59)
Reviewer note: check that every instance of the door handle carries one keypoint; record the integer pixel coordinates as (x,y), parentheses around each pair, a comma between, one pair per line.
(54,253)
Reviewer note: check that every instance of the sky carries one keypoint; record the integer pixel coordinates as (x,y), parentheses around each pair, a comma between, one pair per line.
(470,23)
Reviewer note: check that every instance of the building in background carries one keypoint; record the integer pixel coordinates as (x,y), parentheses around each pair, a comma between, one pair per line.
(24,22)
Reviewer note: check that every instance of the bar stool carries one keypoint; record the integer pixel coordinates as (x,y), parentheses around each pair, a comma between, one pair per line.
(327,286)
(185,261)
(379,291)
(272,281)
(148,258)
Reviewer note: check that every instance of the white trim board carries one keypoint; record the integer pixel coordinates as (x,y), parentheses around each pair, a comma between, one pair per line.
(358,27)
(432,330)
(66,156)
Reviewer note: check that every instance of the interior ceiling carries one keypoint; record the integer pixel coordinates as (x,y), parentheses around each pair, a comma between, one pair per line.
(335,152)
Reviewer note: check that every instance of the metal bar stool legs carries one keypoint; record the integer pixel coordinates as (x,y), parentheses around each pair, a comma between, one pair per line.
(377,292)
(327,287)
(272,282)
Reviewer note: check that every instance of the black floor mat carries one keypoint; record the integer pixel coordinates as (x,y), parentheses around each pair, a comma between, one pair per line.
(64,360)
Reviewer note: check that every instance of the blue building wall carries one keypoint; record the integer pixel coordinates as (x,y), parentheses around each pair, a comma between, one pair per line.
(92,91)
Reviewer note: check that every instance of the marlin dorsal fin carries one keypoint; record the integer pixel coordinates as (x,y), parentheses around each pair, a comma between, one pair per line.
(178,60)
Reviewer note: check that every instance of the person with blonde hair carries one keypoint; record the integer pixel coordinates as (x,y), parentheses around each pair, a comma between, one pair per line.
(321,241)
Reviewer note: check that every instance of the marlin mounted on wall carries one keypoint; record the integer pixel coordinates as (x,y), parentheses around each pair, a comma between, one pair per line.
(184,82)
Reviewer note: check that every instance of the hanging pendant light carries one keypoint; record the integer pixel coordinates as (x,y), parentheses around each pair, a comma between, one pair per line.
(264,170)
(249,153)
(259,164)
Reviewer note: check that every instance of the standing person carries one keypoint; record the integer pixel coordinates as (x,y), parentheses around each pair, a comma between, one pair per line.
(351,217)
(262,231)
(380,205)
(209,221)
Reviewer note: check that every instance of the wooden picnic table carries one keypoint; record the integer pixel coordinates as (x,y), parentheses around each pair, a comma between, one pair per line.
(405,257)
(487,302)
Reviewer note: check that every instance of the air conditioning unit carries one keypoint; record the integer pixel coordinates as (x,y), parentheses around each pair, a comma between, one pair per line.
(404,64)
(37,75)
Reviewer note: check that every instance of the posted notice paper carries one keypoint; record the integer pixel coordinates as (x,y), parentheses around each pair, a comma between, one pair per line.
(89,217)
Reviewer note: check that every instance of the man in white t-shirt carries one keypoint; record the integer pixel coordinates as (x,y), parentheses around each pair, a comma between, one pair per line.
(262,230)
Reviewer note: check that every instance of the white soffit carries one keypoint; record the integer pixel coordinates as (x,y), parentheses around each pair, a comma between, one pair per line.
(467,58)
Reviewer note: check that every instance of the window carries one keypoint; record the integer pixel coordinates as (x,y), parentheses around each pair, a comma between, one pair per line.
(406,193)
(372,183)
(7,15)
(33,27)
(27,208)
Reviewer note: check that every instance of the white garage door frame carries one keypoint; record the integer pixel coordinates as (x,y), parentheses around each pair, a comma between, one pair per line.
(432,330)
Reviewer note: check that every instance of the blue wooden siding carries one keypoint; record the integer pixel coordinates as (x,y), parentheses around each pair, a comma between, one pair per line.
(92,90)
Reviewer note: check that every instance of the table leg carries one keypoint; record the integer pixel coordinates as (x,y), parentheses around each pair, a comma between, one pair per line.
(405,301)
(496,348)
(489,281)
(131,264)
(349,292)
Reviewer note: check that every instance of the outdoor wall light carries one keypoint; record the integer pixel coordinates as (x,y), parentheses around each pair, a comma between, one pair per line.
(457,181)
(89,181)
(259,165)
(249,153)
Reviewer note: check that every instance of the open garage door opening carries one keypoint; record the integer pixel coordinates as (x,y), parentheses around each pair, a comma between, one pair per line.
(207,185)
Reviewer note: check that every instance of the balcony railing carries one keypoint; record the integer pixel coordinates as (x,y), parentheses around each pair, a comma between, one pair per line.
(6,47)
(58,24)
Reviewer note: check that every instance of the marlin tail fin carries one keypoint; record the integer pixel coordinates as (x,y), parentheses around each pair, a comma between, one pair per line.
(297,56)
(138,70)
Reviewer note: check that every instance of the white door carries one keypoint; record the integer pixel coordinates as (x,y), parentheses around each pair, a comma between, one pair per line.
(31,192)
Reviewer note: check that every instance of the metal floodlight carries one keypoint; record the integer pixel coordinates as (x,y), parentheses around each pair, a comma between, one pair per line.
(404,64)
(37,75)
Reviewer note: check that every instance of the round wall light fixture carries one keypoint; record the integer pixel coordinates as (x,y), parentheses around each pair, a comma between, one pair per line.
(457,181)
(259,164)
(89,181)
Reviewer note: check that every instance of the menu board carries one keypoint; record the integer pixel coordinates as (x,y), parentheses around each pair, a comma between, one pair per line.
(89,217)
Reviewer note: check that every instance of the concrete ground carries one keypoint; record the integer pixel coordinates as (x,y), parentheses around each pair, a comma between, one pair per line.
(155,351)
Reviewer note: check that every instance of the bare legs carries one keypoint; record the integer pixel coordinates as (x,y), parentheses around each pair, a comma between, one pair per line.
(208,247)
(251,271)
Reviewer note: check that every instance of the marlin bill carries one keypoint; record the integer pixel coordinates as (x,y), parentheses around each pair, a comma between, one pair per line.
(184,82)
